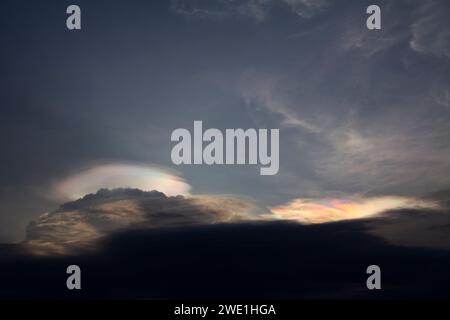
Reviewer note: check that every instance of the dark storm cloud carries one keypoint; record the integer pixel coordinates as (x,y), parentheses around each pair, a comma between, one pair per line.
(190,252)
(80,224)
(262,260)
(360,112)
(426,228)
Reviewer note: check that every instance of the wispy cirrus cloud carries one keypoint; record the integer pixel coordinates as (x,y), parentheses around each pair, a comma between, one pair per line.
(259,92)
(257,10)
(431,31)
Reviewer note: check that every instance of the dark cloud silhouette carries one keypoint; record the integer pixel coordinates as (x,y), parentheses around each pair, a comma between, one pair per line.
(259,259)
(81,224)
(413,227)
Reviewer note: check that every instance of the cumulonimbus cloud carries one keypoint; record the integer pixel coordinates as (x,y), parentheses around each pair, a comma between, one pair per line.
(115,207)
(81,224)
(78,225)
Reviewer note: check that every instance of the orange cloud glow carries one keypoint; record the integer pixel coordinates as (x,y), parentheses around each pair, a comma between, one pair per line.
(329,210)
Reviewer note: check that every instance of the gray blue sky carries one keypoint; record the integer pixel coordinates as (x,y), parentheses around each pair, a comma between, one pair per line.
(360,112)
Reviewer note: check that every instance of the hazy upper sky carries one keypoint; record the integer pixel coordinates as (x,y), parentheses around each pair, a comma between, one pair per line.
(360,112)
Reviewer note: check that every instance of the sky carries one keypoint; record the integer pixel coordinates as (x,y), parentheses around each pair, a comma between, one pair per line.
(360,112)
(364,117)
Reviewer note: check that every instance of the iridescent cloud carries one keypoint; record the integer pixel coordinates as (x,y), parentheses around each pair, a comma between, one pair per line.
(329,210)
(113,176)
